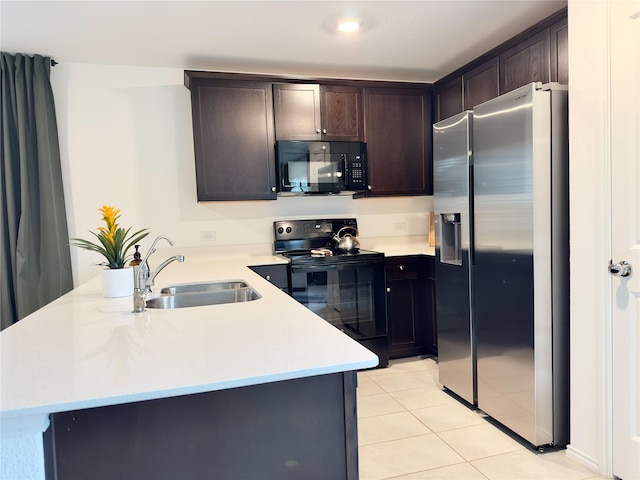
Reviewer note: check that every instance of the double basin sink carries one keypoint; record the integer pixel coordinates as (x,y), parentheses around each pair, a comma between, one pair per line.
(202,294)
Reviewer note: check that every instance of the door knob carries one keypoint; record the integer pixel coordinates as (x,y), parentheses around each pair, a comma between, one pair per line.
(620,269)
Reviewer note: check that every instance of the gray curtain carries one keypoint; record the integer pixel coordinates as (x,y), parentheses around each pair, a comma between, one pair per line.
(34,241)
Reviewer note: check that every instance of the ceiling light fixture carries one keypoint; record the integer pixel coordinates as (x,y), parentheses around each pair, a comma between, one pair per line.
(349,26)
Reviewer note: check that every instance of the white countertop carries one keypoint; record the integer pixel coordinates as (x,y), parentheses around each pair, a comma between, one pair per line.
(83,350)
(399,246)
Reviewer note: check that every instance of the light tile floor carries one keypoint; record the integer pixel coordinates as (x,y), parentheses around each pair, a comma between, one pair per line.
(409,429)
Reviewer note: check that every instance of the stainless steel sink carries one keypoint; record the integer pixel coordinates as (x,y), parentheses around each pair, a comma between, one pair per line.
(204,287)
(199,298)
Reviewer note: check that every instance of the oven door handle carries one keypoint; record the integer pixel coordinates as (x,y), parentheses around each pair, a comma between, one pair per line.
(308,267)
(314,268)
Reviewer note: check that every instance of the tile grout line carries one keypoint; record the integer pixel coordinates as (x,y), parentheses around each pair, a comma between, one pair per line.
(379,381)
(436,468)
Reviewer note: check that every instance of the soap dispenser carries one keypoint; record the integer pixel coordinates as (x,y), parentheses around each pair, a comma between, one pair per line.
(137,257)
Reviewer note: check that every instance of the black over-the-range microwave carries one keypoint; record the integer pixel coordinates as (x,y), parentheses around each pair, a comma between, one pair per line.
(320,167)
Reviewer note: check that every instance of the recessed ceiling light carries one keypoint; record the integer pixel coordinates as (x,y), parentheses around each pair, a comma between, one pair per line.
(349,26)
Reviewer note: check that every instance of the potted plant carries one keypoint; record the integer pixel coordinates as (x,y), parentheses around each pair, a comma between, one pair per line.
(114,243)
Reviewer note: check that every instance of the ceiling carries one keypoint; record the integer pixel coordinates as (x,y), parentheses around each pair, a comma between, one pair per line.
(399,40)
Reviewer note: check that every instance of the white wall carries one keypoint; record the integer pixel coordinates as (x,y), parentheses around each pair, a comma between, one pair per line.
(126,140)
(589,217)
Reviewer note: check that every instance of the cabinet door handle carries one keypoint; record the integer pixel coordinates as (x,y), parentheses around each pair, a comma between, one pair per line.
(401,267)
(388,289)
(273,189)
(324,130)
(317,130)
(268,277)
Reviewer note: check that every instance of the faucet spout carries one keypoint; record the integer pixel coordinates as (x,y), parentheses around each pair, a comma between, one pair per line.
(154,274)
(153,247)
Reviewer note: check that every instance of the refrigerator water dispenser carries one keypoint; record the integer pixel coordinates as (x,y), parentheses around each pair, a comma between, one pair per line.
(450,239)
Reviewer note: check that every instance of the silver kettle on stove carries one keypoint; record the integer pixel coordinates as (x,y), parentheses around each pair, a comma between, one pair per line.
(345,240)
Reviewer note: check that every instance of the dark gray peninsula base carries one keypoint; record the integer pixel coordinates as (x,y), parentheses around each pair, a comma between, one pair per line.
(294,429)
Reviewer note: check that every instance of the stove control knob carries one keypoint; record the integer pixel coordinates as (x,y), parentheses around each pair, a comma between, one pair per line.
(288,229)
(280,230)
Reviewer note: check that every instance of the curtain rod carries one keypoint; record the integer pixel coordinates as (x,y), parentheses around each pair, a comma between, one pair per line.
(53,63)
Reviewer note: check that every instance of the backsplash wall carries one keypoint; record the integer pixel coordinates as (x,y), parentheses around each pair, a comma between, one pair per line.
(126,139)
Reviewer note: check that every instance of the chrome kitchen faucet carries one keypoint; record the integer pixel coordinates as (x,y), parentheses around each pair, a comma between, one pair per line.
(143,278)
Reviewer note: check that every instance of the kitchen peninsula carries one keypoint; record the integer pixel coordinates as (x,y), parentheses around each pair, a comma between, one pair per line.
(193,392)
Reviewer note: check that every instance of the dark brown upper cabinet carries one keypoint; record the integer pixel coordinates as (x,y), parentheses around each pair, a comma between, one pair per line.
(342,113)
(297,111)
(449,99)
(481,84)
(539,54)
(233,139)
(526,62)
(559,40)
(318,112)
(465,91)
(398,135)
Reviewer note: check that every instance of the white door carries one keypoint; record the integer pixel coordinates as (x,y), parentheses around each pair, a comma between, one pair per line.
(625,234)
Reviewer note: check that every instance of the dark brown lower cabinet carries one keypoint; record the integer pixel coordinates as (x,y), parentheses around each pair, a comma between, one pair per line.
(279,275)
(410,306)
(432,337)
(295,429)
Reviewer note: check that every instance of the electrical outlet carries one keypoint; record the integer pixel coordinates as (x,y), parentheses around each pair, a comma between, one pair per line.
(400,227)
(208,236)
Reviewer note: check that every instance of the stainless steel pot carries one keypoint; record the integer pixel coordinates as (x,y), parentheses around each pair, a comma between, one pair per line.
(345,240)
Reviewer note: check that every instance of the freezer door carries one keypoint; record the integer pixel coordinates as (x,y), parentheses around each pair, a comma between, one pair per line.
(452,209)
(512,271)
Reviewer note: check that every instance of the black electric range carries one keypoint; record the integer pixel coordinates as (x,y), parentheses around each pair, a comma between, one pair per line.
(347,289)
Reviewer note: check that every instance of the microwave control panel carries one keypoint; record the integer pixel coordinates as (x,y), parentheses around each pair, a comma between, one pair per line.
(356,171)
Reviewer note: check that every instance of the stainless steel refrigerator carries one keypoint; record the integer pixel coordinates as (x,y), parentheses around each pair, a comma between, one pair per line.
(520,262)
(453,209)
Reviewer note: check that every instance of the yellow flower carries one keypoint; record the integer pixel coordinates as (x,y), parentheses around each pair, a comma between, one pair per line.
(110,216)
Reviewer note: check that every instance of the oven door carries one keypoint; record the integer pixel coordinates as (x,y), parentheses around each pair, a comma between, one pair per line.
(349,295)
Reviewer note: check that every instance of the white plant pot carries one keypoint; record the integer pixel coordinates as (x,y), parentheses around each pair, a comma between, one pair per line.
(117,282)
